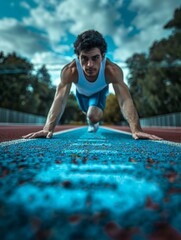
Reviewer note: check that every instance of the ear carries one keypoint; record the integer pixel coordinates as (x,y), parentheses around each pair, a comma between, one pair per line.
(103,55)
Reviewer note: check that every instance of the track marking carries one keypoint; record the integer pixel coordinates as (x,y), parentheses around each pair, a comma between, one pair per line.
(116,130)
(160,141)
(7,143)
(68,130)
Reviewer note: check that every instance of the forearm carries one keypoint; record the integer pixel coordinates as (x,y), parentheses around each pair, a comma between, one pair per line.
(127,106)
(57,108)
(130,114)
(54,115)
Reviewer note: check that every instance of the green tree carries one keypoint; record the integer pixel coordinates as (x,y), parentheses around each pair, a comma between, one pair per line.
(138,66)
(15,73)
(43,90)
(22,90)
(72,113)
(112,112)
(155,80)
(175,23)
(43,76)
(166,55)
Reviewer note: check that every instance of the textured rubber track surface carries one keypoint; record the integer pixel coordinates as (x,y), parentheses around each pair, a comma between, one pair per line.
(167,133)
(80,186)
(11,132)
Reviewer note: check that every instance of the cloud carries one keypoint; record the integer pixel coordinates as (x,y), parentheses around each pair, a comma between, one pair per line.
(84,15)
(54,63)
(25,5)
(43,34)
(150,18)
(15,36)
(153,12)
(74,17)
(56,19)
(46,21)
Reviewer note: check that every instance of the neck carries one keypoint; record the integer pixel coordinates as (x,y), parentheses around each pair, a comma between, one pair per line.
(91,79)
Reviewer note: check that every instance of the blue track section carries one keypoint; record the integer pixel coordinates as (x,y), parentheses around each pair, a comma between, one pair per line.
(81,185)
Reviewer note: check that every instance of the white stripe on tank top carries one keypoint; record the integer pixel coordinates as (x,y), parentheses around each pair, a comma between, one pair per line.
(87,88)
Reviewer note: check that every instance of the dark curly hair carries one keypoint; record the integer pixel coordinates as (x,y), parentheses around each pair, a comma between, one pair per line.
(90,39)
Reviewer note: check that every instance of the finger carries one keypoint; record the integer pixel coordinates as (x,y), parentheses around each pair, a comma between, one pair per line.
(27,136)
(148,136)
(38,135)
(35,135)
(156,137)
(140,136)
(49,135)
(151,137)
(135,136)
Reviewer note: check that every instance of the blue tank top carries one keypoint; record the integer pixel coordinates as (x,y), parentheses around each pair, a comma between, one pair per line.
(87,88)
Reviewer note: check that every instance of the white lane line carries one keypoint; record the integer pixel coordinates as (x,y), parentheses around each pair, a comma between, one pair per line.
(116,130)
(7,143)
(162,141)
(68,130)
(170,143)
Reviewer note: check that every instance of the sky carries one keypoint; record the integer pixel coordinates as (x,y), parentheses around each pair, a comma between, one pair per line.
(43,31)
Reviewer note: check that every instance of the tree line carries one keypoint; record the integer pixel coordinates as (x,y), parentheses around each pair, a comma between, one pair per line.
(155,78)
(154,81)
(22,88)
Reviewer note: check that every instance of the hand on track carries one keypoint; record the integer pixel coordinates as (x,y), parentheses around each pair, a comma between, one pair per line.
(39,134)
(143,135)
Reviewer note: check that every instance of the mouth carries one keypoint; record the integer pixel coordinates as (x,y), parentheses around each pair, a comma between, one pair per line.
(90,70)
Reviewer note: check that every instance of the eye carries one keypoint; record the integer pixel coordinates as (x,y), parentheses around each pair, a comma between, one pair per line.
(84,58)
(95,58)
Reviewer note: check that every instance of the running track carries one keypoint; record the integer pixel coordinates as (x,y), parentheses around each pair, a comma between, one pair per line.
(83,186)
(16,131)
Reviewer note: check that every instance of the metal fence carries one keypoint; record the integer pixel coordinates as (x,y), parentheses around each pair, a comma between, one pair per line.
(167,120)
(10,116)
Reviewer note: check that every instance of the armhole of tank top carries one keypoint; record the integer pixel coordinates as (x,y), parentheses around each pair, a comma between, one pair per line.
(77,63)
(104,62)
(103,66)
(103,69)
(79,69)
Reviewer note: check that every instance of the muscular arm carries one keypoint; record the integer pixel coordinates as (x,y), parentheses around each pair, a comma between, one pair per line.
(125,101)
(57,107)
(126,104)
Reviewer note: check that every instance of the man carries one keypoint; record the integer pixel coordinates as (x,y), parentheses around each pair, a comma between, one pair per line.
(92,72)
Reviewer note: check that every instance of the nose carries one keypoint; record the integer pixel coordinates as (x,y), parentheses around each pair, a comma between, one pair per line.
(89,63)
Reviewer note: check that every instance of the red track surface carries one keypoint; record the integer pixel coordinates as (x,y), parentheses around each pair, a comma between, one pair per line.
(172,134)
(8,133)
(13,132)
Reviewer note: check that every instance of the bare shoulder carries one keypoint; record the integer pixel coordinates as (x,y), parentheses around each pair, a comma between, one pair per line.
(113,72)
(69,73)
